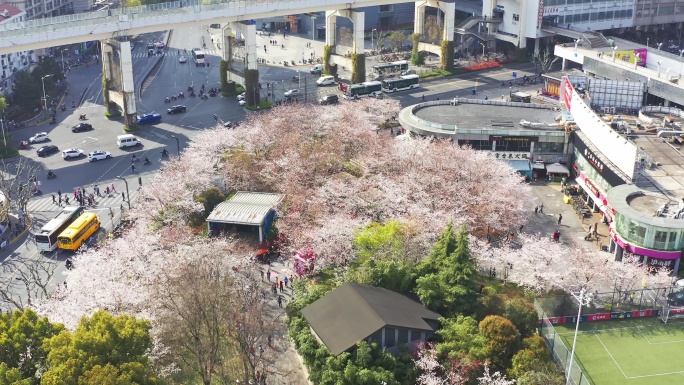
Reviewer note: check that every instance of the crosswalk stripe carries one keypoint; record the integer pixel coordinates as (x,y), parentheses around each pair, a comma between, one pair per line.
(45,204)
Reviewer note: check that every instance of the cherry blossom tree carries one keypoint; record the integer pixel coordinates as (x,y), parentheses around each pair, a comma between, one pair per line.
(495,378)
(432,372)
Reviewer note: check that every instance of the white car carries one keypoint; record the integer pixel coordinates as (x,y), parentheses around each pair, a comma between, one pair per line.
(39,137)
(241,96)
(72,153)
(182,59)
(99,155)
(291,93)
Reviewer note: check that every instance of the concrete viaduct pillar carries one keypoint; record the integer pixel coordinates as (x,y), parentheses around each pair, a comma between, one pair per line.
(118,85)
(244,71)
(357,61)
(448,12)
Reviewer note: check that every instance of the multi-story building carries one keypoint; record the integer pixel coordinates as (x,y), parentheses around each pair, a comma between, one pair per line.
(11,63)
(36,9)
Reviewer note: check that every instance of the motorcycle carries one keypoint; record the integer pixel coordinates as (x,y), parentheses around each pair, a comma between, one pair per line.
(82,117)
(53,120)
(192,94)
(295,78)
(69,264)
(63,107)
(174,98)
(204,97)
(165,154)
(167,100)
(181,95)
(293,62)
(51,175)
(285,64)
(36,191)
(24,144)
(147,162)
(135,159)
(190,88)
(212,94)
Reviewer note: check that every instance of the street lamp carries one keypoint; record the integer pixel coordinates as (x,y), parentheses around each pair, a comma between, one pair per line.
(483,49)
(178,144)
(647,42)
(63,68)
(659,63)
(313,30)
(42,79)
(584,299)
(127,193)
(372,30)
(614,49)
(681,51)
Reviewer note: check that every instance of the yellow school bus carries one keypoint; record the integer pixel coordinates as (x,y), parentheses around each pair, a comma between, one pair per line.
(79,231)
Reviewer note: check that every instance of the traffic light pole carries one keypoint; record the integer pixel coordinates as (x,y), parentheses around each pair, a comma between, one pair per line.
(127,193)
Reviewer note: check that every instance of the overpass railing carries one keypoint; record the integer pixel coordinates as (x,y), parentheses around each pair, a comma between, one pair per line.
(96,18)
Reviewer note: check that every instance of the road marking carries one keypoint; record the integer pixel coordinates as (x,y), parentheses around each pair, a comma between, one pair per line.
(611,356)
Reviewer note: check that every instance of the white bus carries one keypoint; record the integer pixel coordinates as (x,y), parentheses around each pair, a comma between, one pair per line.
(405,82)
(362,90)
(46,239)
(198,57)
(394,66)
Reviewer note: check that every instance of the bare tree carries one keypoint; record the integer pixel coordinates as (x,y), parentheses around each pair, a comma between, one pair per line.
(216,320)
(18,179)
(546,60)
(28,283)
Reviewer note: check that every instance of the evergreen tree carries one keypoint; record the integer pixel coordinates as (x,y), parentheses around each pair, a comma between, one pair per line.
(447,277)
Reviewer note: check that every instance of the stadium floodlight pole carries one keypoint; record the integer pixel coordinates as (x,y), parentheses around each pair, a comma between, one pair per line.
(583,298)
(127,193)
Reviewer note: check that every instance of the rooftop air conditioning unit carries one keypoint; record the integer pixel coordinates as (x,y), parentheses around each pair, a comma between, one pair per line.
(5,13)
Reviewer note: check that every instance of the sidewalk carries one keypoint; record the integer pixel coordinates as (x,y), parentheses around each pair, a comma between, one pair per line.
(287,367)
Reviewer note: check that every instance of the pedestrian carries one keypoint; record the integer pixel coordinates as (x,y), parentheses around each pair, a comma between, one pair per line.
(66,200)
(65,285)
(536,210)
(59,202)
(560,218)
(107,190)
(520,229)
(9,227)
(281,286)
(541,208)
(423,97)
(631,298)
(113,188)
(262,275)
(285,280)
(54,200)
(596,228)
(270,341)
(280,301)
(59,192)
(268,275)
(97,191)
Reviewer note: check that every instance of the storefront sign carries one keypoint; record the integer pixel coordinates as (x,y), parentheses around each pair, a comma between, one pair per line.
(594,190)
(500,138)
(540,13)
(551,10)
(667,263)
(511,155)
(592,158)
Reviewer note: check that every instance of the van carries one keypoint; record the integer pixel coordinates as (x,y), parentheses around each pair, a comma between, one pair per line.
(325,80)
(317,69)
(127,140)
(329,99)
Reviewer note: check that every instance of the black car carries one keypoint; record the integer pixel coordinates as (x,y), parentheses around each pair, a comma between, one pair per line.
(150,45)
(82,127)
(329,99)
(676,298)
(47,150)
(176,109)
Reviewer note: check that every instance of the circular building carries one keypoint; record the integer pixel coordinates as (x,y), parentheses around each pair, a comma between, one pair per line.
(647,225)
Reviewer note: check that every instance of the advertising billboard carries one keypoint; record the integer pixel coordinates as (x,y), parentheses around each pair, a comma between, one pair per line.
(629,56)
(566,90)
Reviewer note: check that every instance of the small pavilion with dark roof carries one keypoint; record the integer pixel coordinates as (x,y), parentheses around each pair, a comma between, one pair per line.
(353,313)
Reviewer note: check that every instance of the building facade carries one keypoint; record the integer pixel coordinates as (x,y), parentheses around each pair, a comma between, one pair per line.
(13,62)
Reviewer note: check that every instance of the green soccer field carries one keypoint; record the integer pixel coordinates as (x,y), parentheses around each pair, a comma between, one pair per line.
(629,352)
